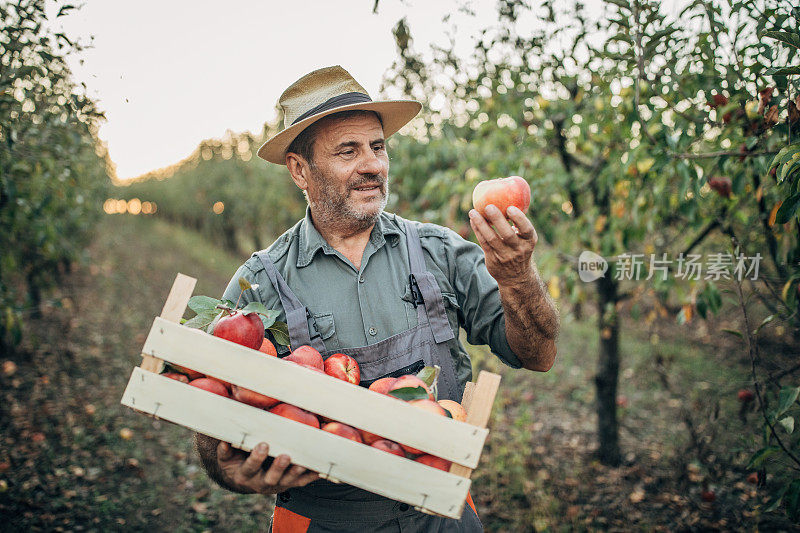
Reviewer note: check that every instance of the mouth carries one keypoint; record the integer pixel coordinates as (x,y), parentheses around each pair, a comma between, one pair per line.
(368,187)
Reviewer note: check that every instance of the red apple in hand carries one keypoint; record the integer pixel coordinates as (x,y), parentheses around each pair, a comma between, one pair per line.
(240,394)
(306,355)
(343,367)
(247,330)
(293,412)
(389,446)
(503,193)
(211,385)
(343,430)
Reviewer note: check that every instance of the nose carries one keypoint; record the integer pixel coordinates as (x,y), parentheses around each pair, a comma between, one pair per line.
(371,163)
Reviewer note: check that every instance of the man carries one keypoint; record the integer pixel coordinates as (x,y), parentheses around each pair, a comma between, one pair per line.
(389,292)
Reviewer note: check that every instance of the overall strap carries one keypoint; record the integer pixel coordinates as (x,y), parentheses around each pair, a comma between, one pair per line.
(428,288)
(298,319)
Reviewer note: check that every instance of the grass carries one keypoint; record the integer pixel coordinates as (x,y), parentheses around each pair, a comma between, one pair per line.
(73,459)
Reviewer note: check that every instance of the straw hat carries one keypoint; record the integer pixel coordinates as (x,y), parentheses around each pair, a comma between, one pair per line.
(323,92)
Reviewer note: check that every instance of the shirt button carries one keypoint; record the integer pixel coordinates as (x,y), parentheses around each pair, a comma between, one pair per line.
(361,279)
(373,331)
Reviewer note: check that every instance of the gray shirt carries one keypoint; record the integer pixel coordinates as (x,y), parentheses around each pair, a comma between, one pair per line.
(359,307)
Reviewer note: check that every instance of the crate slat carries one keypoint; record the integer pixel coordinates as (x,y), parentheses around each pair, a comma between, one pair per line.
(481,399)
(395,420)
(173,310)
(356,464)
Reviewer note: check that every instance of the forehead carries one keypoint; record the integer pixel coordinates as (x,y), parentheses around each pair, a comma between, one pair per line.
(365,128)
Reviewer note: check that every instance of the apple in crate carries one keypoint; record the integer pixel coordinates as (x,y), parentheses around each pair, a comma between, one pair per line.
(426,405)
(343,367)
(410,381)
(244,329)
(293,412)
(306,355)
(389,446)
(343,430)
(211,385)
(435,462)
(240,394)
(382,385)
(176,376)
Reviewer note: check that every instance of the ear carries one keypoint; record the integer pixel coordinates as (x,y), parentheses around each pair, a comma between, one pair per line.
(299,170)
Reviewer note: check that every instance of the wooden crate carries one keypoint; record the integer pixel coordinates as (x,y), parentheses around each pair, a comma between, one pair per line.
(335,458)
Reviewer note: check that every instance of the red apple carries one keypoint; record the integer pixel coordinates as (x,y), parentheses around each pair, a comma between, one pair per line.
(343,430)
(343,367)
(382,385)
(717,100)
(191,374)
(293,412)
(708,496)
(412,381)
(502,193)
(306,355)
(240,394)
(176,376)
(247,330)
(211,385)
(746,395)
(268,348)
(752,478)
(721,184)
(369,438)
(435,462)
(311,367)
(388,446)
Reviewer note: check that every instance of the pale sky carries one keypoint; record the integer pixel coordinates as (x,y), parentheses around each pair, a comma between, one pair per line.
(169,74)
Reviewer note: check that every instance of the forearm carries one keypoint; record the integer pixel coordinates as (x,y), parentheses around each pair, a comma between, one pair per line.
(532,321)
(207,450)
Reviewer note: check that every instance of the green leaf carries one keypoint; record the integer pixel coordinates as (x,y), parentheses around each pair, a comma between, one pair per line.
(761,455)
(280,332)
(791,39)
(788,209)
(787,423)
(764,322)
(255,307)
(428,375)
(198,304)
(783,71)
(786,398)
(409,393)
(244,284)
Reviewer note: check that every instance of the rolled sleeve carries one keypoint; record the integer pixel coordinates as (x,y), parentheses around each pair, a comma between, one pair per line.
(479,299)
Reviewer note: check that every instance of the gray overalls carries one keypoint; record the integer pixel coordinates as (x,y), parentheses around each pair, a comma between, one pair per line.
(324,506)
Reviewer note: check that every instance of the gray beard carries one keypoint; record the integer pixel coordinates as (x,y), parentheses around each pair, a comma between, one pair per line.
(333,210)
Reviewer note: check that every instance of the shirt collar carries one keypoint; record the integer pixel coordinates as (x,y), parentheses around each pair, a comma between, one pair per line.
(310,241)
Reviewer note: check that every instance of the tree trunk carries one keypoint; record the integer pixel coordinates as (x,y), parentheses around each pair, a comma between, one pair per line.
(607,371)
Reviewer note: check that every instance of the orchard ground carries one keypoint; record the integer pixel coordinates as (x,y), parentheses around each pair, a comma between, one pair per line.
(72,458)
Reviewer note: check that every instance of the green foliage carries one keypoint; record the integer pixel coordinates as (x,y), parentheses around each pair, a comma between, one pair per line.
(53,175)
(260,200)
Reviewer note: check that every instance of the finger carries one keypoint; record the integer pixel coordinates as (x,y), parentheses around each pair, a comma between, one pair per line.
(487,237)
(253,463)
(497,219)
(524,226)
(306,478)
(276,470)
(224,451)
(291,475)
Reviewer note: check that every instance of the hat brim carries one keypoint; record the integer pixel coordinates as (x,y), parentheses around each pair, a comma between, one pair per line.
(394,114)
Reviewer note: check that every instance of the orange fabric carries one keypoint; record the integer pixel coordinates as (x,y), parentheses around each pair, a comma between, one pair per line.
(285,521)
(471,504)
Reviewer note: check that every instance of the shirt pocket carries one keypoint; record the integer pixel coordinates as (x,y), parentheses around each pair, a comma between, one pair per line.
(327,330)
(452,309)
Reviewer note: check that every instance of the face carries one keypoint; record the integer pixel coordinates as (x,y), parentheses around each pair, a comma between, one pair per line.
(349,184)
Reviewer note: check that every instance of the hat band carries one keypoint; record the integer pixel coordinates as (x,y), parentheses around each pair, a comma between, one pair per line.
(336,101)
